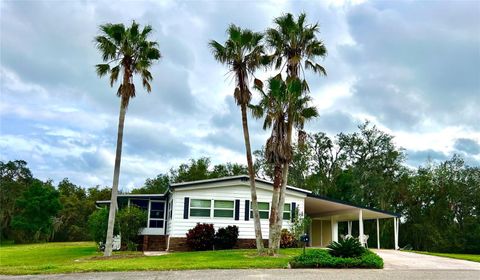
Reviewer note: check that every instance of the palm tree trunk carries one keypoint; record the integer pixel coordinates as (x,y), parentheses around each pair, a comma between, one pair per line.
(274,232)
(251,174)
(116,175)
(281,200)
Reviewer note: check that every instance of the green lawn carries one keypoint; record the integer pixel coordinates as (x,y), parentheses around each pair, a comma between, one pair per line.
(467,257)
(83,257)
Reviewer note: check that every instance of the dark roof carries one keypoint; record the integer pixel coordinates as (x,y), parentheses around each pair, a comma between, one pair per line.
(351,204)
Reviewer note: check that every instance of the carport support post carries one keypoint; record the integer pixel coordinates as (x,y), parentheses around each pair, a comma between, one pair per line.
(349,227)
(360,227)
(398,232)
(378,235)
(334,224)
(395,232)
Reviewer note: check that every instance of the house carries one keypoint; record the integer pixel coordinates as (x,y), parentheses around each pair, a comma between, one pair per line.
(226,201)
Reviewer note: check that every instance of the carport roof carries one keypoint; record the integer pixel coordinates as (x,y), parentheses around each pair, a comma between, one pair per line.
(321,206)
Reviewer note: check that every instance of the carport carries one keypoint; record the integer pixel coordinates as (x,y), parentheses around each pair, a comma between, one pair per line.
(326,213)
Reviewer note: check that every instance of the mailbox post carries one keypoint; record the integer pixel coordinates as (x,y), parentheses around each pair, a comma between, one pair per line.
(304,238)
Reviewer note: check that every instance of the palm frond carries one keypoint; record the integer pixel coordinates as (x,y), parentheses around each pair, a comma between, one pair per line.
(301,20)
(146,84)
(257,111)
(115,32)
(133,31)
(153,53)
(107,48)
(317,68)
(102,69)
(234,33)
(218,51)
(309,113)
(114,74)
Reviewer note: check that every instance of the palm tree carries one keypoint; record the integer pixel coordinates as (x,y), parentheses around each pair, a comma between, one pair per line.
(285,102)
(295,47)
(124,51)
(242,53)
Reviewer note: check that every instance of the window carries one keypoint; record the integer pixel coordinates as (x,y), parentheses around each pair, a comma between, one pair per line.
(157,214)
(223,208)
(140,203)
(263,210)
(200,207)
(286,211)
(155,224)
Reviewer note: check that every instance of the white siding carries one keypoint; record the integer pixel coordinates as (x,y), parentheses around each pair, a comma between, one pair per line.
(178,226)
(169,219)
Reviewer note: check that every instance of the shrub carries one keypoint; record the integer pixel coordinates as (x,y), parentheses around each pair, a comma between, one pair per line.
(130,220)
(346,248)
(287,239)
(226,238)
(201,237)
(98,223)
(319,258)
(300,225)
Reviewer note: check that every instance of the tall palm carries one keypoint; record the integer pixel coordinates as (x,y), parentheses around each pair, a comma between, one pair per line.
(242,53)
(283,103)
(295,47)
(125,51)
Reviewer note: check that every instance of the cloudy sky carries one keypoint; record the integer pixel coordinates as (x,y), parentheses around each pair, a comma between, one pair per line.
(410,67)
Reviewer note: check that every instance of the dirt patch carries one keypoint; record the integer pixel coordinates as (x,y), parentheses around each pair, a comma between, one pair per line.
(119,256)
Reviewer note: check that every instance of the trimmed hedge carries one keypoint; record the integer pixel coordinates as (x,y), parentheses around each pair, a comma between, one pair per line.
(318,258)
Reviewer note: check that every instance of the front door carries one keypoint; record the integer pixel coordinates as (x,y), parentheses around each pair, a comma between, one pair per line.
(156,217)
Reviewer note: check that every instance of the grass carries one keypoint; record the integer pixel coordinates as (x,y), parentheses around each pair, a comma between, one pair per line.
(83,257)
(467,257)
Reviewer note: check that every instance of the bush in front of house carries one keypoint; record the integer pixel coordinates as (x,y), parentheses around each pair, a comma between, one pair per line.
(201,237)
(98,224)
(226,238)
(349,247)
(288,240)
(130,220)
(300,225)
(319,258)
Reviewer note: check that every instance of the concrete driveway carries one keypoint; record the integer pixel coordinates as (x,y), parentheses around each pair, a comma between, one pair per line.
(398,260)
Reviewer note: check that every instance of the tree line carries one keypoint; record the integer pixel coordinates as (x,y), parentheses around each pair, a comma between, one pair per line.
(438,200)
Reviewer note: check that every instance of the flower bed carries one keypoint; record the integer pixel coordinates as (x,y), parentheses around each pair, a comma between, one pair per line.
(318,258)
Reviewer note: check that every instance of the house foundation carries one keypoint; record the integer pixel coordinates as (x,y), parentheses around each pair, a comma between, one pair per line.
(179,244)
